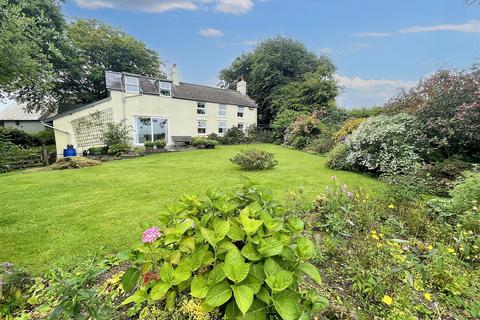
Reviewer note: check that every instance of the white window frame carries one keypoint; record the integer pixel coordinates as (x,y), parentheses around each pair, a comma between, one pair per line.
(223,127)
(222,110)
(167,137)
(243,126)
(164,86)
(240,110)
(199,126)
(133,82)
(200,108)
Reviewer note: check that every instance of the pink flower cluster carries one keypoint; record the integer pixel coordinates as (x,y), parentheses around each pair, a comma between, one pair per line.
(150,235)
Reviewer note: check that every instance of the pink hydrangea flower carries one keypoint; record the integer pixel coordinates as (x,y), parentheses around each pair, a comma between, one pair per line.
(150,235)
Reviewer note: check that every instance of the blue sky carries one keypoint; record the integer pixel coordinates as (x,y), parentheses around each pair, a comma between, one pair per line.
(377,45)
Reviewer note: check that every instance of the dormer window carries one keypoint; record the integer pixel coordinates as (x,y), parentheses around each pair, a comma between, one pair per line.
(132,85)
(165,88)
(240,111)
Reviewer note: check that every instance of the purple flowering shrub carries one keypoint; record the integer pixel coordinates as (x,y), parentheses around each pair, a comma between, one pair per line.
(447,108)
(237,253)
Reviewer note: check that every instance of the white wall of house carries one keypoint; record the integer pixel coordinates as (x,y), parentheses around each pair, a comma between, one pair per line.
(181,115)
(27,126)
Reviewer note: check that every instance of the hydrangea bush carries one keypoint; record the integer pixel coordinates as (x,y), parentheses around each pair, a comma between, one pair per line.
(235,252)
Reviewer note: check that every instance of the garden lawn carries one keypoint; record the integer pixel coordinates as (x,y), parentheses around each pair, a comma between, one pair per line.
(59,217)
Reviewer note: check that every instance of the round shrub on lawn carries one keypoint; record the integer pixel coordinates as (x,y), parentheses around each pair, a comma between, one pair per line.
(254,159)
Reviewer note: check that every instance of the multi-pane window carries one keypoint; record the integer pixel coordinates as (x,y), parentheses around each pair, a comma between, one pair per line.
(201,108)
(241,126)
(201,126)
(165,88)
(131,84)
(222,110)
(222,127)
(240,111)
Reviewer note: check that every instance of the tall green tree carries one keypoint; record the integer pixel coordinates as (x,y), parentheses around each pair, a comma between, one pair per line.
(272,64)
(31,41)
(100,47)
(315,91)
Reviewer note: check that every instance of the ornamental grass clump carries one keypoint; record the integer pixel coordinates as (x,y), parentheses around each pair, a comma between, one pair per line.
(254,159)
(236,253)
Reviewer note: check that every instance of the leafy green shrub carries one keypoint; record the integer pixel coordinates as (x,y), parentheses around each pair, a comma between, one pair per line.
(119,149)
(198,141)
(321,144)
(210,143)
(149,144)
(466,194)
(16,136)
(337,157)
(236,252)
(281,123)
(347,128)
(386,144)
(98,150)
(13,284)
(440,177)
(118,133)
(160,143)
(256,134)
(303,131)
(254,159)
(46,136)
(233,136)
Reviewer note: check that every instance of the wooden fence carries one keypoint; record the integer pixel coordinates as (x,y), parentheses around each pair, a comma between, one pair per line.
(25,159)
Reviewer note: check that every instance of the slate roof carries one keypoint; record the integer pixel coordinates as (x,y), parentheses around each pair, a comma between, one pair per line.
(17,112)
(183,90)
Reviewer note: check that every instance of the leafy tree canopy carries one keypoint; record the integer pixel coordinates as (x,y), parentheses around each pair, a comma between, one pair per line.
(46,62)
(274,63)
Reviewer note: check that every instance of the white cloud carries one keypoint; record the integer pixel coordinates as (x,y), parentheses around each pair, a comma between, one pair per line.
(225,6)
(358,92)
(472,26)
(234,6)
(341,51)
(469,27)
(210,32)
(374,34)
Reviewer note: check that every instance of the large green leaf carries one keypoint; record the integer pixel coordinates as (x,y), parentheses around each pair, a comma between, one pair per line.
(198,287)
(138,297)
(216,275)
(243,297)
(182,272)
(232,312)
(287,304)
(187,244)
(271,267)
(236,272)
(236,233)
(311,271)
(159,291)
(130,279)
(304,249)
(184,226)
(218,294)
(295,224)
(263,295)
(221,229)
(279,281)
(269,247)
(166,273)
(250,252)
(250,226)
(257,311)
(196,258)
(209,236)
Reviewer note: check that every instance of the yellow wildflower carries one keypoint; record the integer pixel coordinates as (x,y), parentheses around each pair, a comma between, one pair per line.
(428,296)
(379,245)
(387,300)
(430,247)
(375,236)
(391,206)
(451,250)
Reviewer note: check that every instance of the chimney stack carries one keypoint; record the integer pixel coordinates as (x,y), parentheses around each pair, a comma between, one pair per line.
(174,75)
(242,86)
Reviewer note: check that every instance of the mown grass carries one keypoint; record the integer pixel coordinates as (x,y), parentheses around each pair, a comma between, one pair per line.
(59,217)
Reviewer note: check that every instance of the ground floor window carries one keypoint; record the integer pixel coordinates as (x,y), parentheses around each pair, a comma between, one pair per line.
(241,126)
(201,126)
(150,129)
(222,127)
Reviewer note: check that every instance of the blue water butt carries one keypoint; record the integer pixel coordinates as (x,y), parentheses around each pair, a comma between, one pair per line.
(69,152)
